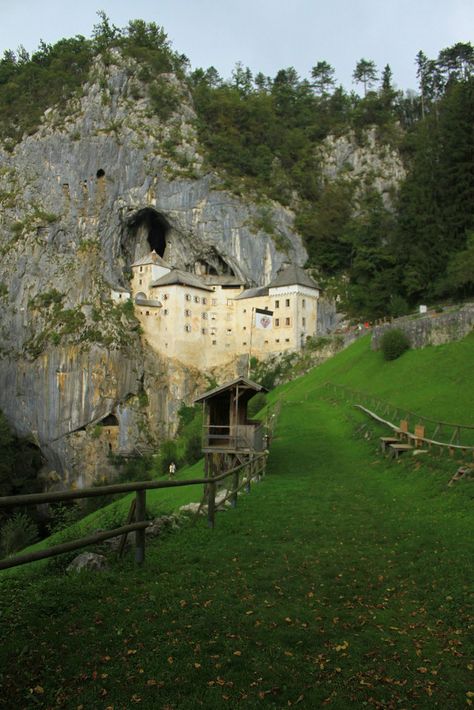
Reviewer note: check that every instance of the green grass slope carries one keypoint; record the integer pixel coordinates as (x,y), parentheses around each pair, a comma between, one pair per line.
(344,579)
(437,382)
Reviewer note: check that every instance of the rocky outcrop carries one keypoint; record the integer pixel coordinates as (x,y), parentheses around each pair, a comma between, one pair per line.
(363,160)
(95,188)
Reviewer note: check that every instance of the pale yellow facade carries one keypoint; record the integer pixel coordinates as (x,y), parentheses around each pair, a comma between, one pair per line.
(208,321)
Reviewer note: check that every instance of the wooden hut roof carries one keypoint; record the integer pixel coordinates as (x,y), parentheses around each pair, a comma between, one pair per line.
(239,381)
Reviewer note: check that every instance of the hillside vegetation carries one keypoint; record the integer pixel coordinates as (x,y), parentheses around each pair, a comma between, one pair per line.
(344,579)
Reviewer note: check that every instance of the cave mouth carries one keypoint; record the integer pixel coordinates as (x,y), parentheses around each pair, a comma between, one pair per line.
(149,226)
(212,264)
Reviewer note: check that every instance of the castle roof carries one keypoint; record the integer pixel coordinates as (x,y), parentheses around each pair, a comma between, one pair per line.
(253,292)
(183,278)
(151,258)
(223,280)
(293,275)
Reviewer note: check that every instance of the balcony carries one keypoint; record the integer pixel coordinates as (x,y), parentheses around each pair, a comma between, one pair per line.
(241,437)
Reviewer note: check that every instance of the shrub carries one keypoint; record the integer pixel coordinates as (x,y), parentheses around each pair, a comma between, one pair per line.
(394,343)
(17,533)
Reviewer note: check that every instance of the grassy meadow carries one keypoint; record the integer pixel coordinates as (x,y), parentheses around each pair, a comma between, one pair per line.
(344,579)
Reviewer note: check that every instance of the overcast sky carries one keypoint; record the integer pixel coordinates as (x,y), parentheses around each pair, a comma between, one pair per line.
(265,35)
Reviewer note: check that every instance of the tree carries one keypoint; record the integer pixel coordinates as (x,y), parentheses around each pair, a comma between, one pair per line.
(456,63)
(105,34)
(323,76)
(365,73)
(460,271)
(242,79)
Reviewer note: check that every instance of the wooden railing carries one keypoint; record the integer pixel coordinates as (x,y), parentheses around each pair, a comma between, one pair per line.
(238,437)
(241,477)
(446,433)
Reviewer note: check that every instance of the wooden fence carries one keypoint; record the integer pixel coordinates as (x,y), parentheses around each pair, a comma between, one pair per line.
(241,475)
(443,433)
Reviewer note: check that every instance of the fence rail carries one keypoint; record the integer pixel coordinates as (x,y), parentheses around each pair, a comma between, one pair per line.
(254,467)
(446,433)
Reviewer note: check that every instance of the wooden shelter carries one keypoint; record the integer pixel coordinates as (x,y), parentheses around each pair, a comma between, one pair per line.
(227,429)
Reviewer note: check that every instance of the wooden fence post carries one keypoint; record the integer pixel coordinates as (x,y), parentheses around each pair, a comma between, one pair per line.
(140,515)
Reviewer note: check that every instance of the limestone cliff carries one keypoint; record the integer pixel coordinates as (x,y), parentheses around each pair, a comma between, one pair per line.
(100,183)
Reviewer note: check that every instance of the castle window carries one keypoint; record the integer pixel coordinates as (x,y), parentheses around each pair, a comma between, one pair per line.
(187,313)
(287,302)
(187,296)
(139,282)
(204,315)
(287,321)
(213,331)
(204,331)
(244,328)
(187,328)
(266,342)
(277,322)
(165,297)
(196,299)
(244,343)
(303,303)
(213,316)
(303,320)
(165,312)
(277,304)
(277,340)
(245,310)
(229,331)
(147,313)
(214,342)
(214,301)
(204,300)
(141,269)
(287,340)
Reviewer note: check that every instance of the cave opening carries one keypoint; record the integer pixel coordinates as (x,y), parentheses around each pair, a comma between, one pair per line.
(149,227)
(212,264)
(109,420)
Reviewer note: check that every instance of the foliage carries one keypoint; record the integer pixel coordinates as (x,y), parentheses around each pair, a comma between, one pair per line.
(20,461)
(17,533)
(56,72)
(393,343)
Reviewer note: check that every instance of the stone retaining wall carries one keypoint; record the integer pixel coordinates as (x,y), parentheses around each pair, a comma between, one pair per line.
(432,328)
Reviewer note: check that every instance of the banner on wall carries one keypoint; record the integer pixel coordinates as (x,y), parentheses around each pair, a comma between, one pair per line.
(263,318)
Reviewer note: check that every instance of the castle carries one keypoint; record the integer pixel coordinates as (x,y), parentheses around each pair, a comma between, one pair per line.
(209,320)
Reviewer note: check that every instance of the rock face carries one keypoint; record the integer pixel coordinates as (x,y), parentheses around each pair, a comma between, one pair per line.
(363,161)
(80,200)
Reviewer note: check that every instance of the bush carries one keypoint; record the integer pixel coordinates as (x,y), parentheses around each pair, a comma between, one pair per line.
(394,343)
(17,533)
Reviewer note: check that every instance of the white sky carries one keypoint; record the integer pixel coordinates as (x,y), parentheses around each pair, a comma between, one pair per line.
(265,35)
